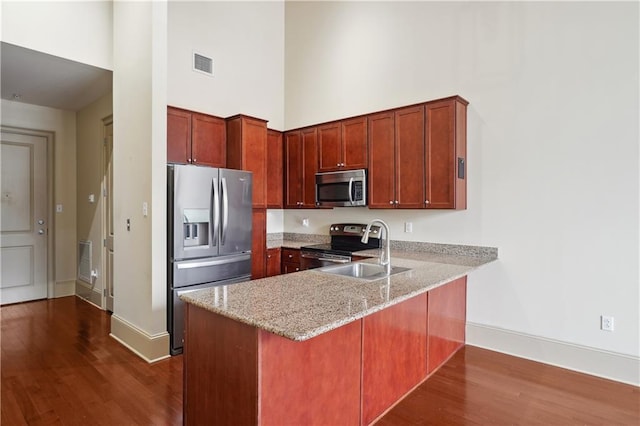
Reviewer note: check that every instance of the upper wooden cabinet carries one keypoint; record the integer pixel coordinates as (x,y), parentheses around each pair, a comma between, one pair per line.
(396,158)
(247,150)
(342,145)
(301,164)
(446,152)
(417,156)
(275,176)
(194,138)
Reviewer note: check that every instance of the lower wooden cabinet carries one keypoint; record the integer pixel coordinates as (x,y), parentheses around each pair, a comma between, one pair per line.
(290,260)
(273,262)
(347,376)
(394,355)
(447,316)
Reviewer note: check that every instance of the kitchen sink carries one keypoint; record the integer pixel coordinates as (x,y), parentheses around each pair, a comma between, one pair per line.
(366,271)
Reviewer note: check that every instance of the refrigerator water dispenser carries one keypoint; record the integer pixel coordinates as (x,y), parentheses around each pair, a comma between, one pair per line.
(195,226)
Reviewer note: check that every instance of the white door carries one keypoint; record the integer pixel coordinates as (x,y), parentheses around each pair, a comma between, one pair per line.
(108,213)
(23,217)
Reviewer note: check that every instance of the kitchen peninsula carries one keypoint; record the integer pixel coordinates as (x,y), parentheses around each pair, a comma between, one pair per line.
(317,348)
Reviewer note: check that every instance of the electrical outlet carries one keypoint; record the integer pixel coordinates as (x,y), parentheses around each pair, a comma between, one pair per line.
(606,323)
(408,227)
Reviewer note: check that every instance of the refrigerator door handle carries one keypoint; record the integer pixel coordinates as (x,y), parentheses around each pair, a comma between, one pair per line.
(215,211)
(225,211)
(210,262)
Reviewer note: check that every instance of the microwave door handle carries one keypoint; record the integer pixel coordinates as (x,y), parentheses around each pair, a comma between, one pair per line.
(351,191)
(225,211)
(215,209)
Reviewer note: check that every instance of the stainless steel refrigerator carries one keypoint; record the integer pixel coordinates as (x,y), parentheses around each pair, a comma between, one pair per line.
(209,235)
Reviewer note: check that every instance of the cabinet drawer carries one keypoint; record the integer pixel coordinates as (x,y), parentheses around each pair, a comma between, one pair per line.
(291,255)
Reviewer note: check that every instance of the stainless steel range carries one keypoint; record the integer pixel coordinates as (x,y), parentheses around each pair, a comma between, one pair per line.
(345,239)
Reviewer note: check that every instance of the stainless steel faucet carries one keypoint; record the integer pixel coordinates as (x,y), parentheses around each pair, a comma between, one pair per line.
(385,255)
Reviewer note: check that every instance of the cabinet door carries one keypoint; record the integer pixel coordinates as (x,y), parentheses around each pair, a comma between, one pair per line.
(310,167)
(274,170)
(381,160)
(209,141)
(441,155)
(290,260)
(409,159)
(273,262)
(330,147)
(354,143)
(178,136)
(247,150)
(293,156)
(258,244)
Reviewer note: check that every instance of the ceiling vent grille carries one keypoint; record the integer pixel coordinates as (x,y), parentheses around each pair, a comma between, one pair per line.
(202,64)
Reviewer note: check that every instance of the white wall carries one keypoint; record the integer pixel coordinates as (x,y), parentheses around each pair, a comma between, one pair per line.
(246,42)
(139,158)
(552,144)
(77,30)
(63,125)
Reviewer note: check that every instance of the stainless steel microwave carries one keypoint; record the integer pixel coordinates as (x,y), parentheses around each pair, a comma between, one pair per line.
(342,189)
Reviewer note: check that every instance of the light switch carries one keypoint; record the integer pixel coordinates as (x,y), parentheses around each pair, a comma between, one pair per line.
(58,208)
(92,198)
(145,209)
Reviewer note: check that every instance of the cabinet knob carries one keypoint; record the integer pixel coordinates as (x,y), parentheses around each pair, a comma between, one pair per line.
(396,202)
(426,201)
(391,202)
(290,256)
(194,160)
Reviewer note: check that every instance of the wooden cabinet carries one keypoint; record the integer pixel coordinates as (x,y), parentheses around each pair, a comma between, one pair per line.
(194,138)
(396,158)
(273,262)
(417,156)
(290,260)
(247,150)
(342,145)
(259,244)
(275,177)
(301,164)
(394,355)
(445,154)
(446,321)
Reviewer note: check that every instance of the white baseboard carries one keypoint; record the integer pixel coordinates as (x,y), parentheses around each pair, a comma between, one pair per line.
(609,365)
(151,348)
(64,288)
(88,293)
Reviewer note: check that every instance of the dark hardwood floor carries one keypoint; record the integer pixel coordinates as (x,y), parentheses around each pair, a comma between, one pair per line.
(59,366)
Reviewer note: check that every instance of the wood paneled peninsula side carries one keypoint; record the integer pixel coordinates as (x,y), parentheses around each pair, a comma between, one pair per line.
(315,349)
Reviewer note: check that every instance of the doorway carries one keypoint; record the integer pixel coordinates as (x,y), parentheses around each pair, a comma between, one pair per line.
(24,215)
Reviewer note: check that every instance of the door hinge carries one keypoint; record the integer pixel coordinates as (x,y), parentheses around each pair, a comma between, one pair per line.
(104,242)
(104,292)
(104,192)
(104,141)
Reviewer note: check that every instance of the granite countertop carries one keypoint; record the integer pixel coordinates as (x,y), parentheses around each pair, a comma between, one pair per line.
(304,304)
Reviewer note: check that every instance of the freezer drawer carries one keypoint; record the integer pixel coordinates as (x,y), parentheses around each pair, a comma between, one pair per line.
(176,310)
(197,271)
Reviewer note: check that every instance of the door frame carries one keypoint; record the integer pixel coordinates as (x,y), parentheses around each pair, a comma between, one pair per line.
(108,120)
(51,234)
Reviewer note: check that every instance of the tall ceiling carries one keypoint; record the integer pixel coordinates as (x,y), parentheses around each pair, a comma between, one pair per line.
(40,79)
